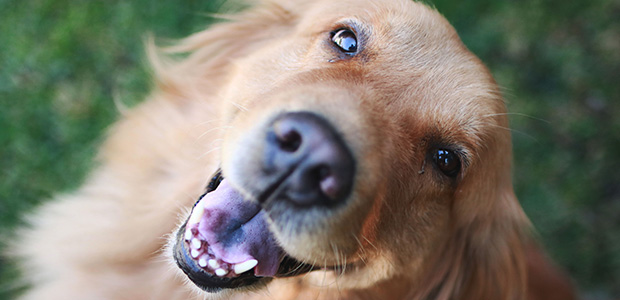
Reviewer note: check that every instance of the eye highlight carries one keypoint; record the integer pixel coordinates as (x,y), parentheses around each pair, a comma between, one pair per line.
(346,40)
(447,162)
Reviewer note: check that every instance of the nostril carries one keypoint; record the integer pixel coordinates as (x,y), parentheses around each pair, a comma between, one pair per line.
(323,172)
(329,187)
(287,137)
(326,180)
(328,183)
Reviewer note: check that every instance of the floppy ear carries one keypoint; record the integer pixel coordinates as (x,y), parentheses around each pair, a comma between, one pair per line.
(485,256)
(492,251)
(210,52)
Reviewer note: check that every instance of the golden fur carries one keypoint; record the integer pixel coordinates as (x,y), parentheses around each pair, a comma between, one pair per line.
(407,233)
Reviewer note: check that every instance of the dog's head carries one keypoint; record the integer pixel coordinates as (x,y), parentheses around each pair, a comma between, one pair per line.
(363,139)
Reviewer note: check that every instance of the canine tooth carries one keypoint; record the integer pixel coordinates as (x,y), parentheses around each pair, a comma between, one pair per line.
(213,264)
(197,214)
(188,234)
(245,266)
(202,262)
(195,243)
(220,272)
(195,253)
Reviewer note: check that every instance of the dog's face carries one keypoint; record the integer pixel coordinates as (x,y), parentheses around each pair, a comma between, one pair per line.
(361,136)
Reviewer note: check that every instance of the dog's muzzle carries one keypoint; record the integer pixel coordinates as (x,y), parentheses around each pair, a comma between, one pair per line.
(226,242)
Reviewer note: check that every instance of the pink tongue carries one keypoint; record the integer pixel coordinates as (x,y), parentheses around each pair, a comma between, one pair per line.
(236,230)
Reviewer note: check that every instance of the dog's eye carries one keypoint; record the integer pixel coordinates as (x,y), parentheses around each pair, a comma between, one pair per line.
(346,40)
(447,161)
(216,179)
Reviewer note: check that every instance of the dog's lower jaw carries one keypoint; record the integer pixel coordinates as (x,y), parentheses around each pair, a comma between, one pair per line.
(207,282)
(225,242)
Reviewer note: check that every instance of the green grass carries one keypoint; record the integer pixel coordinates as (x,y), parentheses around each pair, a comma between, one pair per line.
(63,62)
(61,65)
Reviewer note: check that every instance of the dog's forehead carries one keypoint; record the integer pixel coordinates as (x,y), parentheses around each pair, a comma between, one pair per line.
(413,59)
(398,38)
(361,7)
(387,17)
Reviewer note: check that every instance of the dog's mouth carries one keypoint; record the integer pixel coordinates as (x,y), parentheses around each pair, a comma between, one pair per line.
(226,242)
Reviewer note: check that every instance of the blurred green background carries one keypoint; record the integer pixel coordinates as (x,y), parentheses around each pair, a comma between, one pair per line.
(63,62)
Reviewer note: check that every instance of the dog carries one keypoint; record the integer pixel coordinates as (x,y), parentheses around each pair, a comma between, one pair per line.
(301,150)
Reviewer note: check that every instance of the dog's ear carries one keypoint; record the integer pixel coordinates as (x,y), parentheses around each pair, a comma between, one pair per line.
(180,70)
(485,256)
(492,251)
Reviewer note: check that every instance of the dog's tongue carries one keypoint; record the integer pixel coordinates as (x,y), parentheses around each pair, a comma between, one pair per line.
(236,230)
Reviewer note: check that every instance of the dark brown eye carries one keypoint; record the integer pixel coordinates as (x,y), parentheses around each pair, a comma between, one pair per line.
(447,162)
(346,40)
(216,179)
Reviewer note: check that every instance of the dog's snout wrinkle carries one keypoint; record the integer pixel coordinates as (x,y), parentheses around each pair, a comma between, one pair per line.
(310,161)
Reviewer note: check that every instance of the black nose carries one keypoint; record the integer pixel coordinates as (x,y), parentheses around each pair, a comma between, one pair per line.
(309,161)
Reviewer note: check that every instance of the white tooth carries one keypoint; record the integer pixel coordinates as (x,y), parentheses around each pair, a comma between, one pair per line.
(196,243)
(245,266)
(213,264)
(220,272)
(197,214)
(195,253)
(202,262)
(188,234)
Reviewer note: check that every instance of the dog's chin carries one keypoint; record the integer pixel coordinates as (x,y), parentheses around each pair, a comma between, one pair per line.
(226,244)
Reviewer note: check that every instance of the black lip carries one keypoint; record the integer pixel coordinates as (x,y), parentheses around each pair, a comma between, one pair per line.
(209,283)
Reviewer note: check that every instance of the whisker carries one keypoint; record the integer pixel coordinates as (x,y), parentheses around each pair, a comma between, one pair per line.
(209,121)
(324,275)
(517,114)
(313,265)
(339,275)
(208,152)
(299,266)
(512,130)
(336,254)
(222,128)
(369,242)
(362,252)
(214,141)
(237,105)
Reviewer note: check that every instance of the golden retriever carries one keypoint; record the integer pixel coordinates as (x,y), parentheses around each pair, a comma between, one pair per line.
(360,151)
